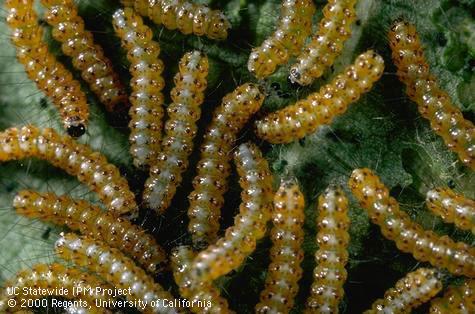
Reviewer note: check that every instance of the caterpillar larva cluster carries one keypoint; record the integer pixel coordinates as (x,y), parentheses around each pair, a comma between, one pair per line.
(187,17)
(239,240)
(452,207)
(320,53)
(332,254)
(117,269)
(90,220)
(411,291)
(210,183)
(146,112)
(456,300)
(90,167)
(177,145)
(304,117)
(410,237)
(293,27)
(53,277)
(88,57)
(193,290)
(433,103)
(286,253)
(41,66)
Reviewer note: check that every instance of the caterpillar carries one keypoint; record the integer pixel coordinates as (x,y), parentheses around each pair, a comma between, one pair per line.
(88,57)
(50,76)
(52,277)
(332,255)
(90,167)
(412,290)
(452,207)
(194,291)
(293,27)
(410,237)
(210,182)
(286,253)
(456,299)
(146,112)
(327,44)
(115,268)
(177,145)
(239,240)
(187,17)
(94,222)
(434,104)
(304,117)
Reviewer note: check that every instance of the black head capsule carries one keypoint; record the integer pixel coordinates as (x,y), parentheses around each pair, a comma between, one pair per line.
(76,130)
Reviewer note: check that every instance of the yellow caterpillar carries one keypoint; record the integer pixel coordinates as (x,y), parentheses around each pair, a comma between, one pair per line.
(91,220)
(326,44)
(187,17)
(193,290)
(286,253)
(332,254)
(293,27)
(305,116)
(177,145)
(53,277)
(88,57)
(396,225)
(115,268)
(433,103)
(146,112)
(412,290)
(90,167)
(239,241)
(452,207)
(41,66)
(210,183)
(456,300)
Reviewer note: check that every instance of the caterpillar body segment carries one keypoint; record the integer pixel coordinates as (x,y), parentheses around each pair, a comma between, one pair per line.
(410,237)
(456,299)
(286,253)
(53,277)
(146,112)
(327,44)
(320,108)
(194,290)
(186,16)
(452,207)
(331,257)
(92,221)
(50,76)
(411,291)
(115,268)
(293,27)
(88,57)
(433,103)
(177,145)
(210,183)
(230,251)
(90,167)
